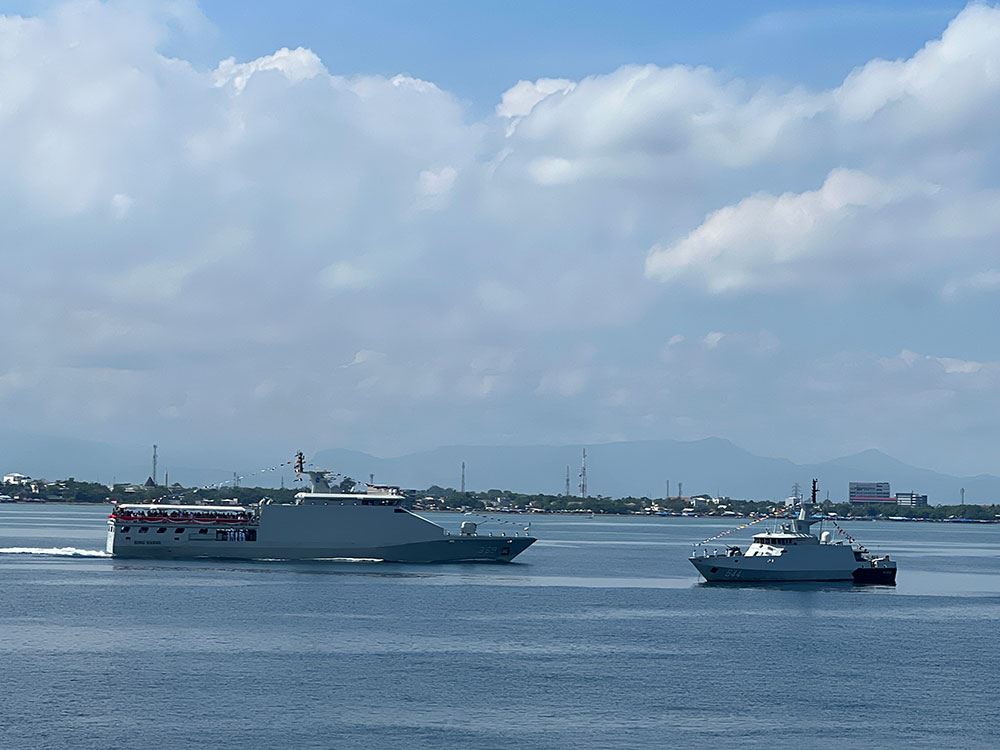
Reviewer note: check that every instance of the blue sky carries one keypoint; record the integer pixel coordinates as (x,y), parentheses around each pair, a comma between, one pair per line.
(476,50)
(391,226)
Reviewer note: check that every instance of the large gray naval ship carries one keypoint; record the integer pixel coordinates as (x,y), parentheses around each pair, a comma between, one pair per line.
(793,553)
(320,524)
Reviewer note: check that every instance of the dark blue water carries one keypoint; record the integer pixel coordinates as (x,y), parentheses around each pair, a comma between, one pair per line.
(601,637)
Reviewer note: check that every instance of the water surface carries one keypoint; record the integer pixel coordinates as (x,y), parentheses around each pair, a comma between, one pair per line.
(600,636)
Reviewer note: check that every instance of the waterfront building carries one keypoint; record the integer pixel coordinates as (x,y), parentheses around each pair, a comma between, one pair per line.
(870,493)
(910,498)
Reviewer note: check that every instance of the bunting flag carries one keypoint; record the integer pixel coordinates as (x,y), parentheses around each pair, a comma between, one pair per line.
(850,538)
(738,528)
(494,519)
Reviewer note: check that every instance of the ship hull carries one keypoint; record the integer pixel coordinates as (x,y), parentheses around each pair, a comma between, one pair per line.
(740,569)
(451,549)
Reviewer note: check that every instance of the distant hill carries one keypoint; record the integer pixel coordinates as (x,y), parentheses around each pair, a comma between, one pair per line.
(48,457)
(714,466)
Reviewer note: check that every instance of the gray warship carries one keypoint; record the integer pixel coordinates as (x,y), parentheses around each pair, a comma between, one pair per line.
(793,553)
(315,525)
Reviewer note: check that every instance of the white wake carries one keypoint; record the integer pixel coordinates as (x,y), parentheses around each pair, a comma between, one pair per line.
(54,551)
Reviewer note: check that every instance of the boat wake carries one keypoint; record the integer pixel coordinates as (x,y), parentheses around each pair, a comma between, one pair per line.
(54,551)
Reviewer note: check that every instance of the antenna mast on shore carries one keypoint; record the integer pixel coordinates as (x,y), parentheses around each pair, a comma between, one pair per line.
(154,463)
(567,482)
(463,476)
(583,475)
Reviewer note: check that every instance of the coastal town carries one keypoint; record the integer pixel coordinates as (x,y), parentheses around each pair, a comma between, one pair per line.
(866,500)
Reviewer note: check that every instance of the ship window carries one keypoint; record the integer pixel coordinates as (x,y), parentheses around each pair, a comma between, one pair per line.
(143,529)
(179,530)
(202,531)
(161,529)
(126,528)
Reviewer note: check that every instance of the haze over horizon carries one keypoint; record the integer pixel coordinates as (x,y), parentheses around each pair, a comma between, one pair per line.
(392,226)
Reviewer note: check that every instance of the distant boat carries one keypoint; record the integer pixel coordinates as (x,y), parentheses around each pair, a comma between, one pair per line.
(793,553)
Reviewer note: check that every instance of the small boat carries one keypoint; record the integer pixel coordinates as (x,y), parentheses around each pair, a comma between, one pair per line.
(793,553)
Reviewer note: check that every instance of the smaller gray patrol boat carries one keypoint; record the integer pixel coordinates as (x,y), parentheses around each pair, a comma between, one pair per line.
(320,524)
(793,553)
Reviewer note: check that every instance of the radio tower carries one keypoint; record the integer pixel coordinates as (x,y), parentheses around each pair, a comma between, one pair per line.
(154,463)
(583,475)
(668,489)
(463,476)
(567,481)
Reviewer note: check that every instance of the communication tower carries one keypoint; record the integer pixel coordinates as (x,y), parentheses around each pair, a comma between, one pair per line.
(463,476)
(154,463)
(567,482)
(583,474)
(680,489)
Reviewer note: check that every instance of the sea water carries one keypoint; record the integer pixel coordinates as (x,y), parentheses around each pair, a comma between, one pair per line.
(599,636)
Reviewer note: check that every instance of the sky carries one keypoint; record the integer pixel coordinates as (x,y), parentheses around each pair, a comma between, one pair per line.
(393,226)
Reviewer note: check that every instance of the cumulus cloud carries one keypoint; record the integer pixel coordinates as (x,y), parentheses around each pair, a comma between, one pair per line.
(296,65)
(201,250)
(766,240)
(520,99)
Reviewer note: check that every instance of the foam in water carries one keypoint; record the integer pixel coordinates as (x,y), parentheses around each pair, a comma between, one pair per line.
(54,551)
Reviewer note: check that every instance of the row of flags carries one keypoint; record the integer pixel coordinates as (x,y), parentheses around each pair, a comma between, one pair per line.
(850,538)
(730,531)
(494,519)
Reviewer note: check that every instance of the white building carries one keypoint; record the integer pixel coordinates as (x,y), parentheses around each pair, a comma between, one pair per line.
(16,478)
(869,493)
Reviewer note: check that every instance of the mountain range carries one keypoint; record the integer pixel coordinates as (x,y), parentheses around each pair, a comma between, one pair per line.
(712,466)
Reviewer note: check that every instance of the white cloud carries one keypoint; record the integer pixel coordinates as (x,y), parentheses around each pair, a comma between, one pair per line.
(120,205)
(437,181)
(979,282)
(563,383)
(188,246)
(364,356)
(712,339)
(769,241)
(521,98)
(296,65)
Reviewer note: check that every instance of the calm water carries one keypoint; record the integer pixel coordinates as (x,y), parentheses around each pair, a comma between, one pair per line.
(601,637)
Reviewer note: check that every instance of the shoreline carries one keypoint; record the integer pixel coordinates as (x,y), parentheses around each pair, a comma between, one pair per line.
(585,516)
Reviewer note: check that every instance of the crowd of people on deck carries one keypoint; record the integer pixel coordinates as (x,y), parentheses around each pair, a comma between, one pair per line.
(180,515)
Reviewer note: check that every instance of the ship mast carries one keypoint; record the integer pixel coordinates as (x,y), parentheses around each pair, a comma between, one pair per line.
(804,520)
